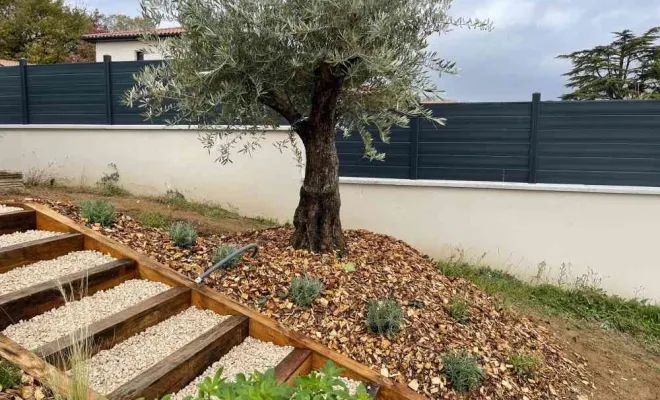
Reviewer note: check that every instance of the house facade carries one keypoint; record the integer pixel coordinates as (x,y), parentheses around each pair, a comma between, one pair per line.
(128,45)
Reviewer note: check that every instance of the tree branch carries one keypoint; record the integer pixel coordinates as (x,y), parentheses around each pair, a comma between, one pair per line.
(282,106)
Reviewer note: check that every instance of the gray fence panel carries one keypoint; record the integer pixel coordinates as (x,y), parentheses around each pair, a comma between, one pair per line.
(53,93)
(481,141)
(600,143)
(10,96)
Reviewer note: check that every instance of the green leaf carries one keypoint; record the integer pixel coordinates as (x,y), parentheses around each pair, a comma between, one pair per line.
(349,267)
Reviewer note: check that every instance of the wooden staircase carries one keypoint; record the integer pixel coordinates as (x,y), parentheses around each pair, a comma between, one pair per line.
(174,372)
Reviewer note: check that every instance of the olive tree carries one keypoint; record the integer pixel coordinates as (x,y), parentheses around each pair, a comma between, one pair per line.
(323,66)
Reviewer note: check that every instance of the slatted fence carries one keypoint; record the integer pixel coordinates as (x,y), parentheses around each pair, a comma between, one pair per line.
(589,142)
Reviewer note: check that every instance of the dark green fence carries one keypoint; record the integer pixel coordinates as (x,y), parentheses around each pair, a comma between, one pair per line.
(591,142)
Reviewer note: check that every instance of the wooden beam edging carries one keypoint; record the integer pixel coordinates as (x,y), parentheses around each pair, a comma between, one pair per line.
(17,221)
(37,250)
(298,362)
(261,327)
(34,300)
(178,369)
(39,369)
(118,327)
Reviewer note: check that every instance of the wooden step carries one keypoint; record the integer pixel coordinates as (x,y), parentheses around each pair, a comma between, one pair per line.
(106,333)
(175,371)
(37,250)
(298,362)
(34,300)
(17,221)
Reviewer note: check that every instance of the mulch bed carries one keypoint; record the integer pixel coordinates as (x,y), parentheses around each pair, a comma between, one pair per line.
(385,268)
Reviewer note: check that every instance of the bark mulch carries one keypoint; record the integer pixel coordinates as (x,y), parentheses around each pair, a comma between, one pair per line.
(384,268)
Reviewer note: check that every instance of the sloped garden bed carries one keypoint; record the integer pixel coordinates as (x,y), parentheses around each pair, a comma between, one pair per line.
(378,267)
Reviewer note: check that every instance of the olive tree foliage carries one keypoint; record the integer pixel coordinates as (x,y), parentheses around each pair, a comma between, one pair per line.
(243,66)
(258,58)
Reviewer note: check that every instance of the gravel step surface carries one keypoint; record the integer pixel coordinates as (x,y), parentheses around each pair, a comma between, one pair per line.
(5,209)
(60,322)
(11,239)
(109,369)
(47,270)
(249,356)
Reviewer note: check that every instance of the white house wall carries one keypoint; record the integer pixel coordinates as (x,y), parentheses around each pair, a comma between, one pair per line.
(126,50)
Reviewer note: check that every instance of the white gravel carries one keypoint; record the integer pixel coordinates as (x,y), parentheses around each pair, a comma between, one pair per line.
(5,209)
(60,322)
(109,369)
(249,356)
(44,271)
(11,239)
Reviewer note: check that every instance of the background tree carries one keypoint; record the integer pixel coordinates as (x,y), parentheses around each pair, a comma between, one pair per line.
(42,31)
(627,68)
(323,65)
(120,22)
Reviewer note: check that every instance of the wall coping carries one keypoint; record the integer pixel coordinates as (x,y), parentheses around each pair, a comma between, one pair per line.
(536,187)
(282,128)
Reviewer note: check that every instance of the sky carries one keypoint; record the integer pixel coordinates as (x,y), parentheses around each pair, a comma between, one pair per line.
(518,57)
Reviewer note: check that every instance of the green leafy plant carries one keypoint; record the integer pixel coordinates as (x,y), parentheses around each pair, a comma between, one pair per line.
(323,384)
(10,375)
(458,309)
(524,365)
(98,211)
(223,251)
(183,234)
(384,316)
(155,220)
(349,267)
(462,371)
(303,291)
(109,183)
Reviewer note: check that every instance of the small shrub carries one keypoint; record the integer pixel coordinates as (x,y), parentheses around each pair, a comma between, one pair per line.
(174,197)
(524,365)
(223,251)
(462,371)
(384,316)
(458,310)
(109,183)
(303,291)
(10,375)
(183,234)
(155,220)
(98,212)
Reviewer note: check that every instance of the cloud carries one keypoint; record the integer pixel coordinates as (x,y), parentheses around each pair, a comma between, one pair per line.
(559,18)
(506,13)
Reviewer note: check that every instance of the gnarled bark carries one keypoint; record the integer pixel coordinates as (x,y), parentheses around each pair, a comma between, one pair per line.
(317,223)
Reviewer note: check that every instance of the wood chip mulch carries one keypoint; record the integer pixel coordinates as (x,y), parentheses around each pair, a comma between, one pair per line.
(385,268)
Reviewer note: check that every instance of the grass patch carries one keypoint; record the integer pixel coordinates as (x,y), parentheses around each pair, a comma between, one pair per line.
(582,302)
(10,375)
(268,221)
(524,365)
(458,310)
(155,220)
(177,201)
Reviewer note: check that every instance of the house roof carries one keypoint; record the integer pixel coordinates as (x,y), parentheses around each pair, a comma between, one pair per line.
(129,35)
(8,63)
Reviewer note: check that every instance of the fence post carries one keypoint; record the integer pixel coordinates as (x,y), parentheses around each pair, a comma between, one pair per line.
(22,70)
(107,69)
(414,146)
(534,138)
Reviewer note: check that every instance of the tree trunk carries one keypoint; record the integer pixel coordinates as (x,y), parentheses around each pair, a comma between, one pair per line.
(317,223)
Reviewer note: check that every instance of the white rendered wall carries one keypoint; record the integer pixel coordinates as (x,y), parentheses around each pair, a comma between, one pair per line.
(126,50)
